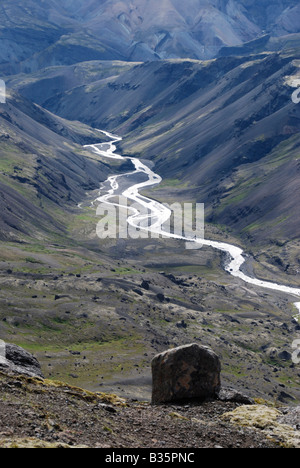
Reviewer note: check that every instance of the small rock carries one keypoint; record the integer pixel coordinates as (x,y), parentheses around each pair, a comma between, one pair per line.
(181,324)
(145,285)
(285,356)
(272,353)
(160,297)
(138,291)
(283,396)
(108,408)
(234,396)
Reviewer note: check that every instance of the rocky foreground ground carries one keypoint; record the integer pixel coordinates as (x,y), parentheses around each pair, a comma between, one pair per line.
(40,413)
(37,413)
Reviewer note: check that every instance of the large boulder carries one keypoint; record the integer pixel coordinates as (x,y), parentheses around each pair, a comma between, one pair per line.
(187,372)
(15,359)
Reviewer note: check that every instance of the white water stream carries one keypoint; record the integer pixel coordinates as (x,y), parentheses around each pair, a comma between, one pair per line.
(159,214)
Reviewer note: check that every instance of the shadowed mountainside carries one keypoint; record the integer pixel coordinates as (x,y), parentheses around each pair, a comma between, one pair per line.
(43,168)
(73,31)
(224,132)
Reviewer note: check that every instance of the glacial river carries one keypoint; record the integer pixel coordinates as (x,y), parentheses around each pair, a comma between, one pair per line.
(159,214)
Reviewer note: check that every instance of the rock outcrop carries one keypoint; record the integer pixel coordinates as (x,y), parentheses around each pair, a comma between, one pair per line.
(280,425)
(15,359)
(234,396)
(187,372)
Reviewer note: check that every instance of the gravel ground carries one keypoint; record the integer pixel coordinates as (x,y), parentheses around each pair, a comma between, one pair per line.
(36,412)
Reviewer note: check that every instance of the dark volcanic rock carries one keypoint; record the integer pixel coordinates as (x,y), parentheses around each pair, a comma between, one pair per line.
(285,356)
(160,297)
(181,324)
(187,372)
(19,361)
(145,285)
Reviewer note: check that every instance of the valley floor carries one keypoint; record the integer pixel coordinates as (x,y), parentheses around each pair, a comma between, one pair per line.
(96,321)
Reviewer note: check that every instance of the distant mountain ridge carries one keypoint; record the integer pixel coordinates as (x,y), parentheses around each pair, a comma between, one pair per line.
(63,33)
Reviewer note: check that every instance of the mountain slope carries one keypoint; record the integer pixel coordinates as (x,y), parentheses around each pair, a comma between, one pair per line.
(227,129)
(38,34)
(52,81)
(43,169)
